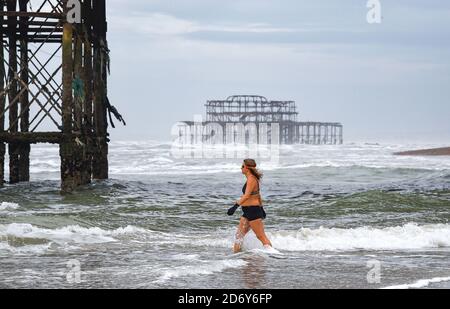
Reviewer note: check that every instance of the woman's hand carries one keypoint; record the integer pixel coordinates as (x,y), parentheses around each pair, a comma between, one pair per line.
(232,210)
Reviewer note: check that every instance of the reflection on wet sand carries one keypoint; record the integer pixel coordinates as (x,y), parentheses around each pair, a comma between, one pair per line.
(254,272)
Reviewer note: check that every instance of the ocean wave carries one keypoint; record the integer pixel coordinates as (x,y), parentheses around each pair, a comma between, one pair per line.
(419,284)
(156,158)
(9,206)
(360,165)
(173,169)
(159,166)
(24,250)
(408,237)
(69,234)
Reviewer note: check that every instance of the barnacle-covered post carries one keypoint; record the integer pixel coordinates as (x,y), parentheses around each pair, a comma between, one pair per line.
(54,64)
(69,178)
(87,77)
(24,147)
(101,58)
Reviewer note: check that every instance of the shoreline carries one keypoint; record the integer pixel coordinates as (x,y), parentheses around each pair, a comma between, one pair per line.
(426,152)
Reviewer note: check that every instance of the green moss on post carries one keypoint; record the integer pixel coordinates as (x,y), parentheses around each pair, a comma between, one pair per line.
(82,133)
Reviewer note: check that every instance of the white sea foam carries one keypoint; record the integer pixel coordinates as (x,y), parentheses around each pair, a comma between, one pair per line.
(419,284)
(69,234)
(24,250)
(8,206)
(264,251)
(363,156)
(152,158)
(200,268)
(408,237)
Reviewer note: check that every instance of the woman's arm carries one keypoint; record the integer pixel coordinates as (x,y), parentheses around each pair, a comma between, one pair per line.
(252,186)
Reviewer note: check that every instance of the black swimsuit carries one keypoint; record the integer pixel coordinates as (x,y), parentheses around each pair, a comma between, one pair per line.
(252,213)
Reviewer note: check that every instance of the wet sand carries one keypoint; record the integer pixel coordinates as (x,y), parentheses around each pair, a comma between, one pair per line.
(426,152)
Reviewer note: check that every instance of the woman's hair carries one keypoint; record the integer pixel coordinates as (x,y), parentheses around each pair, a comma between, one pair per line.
(251,165)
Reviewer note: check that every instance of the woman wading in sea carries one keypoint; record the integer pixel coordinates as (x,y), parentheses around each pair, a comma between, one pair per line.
(252,207)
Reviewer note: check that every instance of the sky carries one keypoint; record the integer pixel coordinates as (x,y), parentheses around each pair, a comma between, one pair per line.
(383,81)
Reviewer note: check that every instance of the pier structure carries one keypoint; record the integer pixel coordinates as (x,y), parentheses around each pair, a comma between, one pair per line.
(254,119)
(54,66)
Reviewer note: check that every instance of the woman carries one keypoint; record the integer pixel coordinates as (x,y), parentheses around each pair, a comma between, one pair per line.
(252,207)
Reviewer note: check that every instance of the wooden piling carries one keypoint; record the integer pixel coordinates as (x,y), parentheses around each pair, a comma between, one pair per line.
(88,92)
(24,148)
(100,161)
(68,169)
(78,99)
(2,101)
(13,148)
(80,145)
(82,129)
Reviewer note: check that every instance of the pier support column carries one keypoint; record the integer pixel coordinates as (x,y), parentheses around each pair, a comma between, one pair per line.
(24,148)
(315,135)
(2,164)
(291,134)
(80,145)
(100,162)
(318,132)
(307,134)
(88,91)
(2,102)
(13,148)
(69,177)
(334,135)
(303,134)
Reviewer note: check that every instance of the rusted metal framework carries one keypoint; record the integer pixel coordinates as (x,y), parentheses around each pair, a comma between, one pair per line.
(53,87)
(319,133)
(256,116)
(250,109)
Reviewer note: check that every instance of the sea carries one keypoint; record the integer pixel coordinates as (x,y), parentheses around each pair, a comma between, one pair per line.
(340,216)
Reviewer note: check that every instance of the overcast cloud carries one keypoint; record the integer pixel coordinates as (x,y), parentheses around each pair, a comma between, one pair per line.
(382,81)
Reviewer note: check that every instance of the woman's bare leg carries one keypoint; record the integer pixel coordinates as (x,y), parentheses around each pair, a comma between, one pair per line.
(258,227)
(243,229)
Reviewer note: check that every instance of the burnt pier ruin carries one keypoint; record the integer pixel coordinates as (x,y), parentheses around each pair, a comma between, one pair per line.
(252,119)
(53,87)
